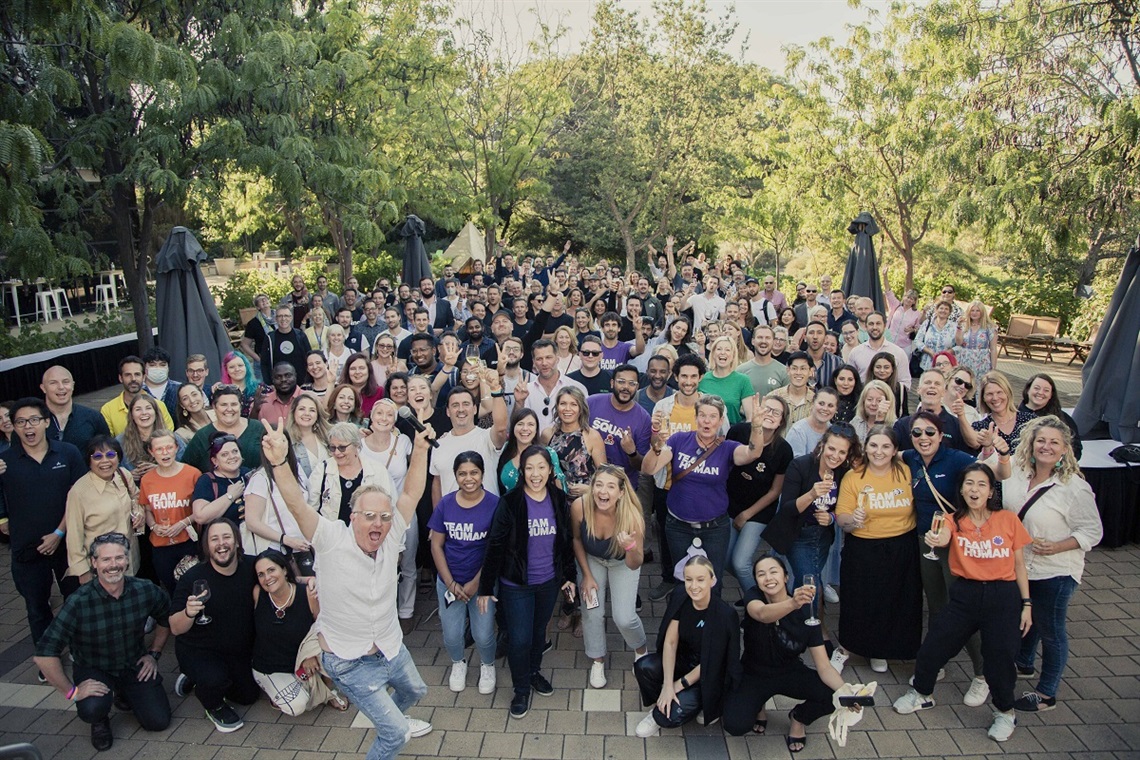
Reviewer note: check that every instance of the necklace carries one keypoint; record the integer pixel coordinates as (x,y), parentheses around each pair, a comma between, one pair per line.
(279,609)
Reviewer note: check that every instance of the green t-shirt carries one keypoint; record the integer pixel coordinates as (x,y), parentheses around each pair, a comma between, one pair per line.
(764,379)
(733,389)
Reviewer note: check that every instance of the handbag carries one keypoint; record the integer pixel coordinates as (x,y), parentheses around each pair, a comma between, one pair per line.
(916,357)
(300,561)
(1033,500)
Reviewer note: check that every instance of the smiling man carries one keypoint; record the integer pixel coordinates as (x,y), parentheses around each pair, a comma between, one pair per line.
(103,625)
(624,425)
(131,373)
(466,436)
(215,656)
(74,423)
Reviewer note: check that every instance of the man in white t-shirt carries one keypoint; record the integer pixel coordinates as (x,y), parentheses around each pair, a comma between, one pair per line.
(362,645)
(708,305)
(538,395)
(466,436)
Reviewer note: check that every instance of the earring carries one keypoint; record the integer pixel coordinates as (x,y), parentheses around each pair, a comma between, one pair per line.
(1058,465)
(1032,460)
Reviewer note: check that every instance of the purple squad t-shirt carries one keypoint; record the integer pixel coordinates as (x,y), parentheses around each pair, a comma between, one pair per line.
(466,530)
(701,495)
(540,542)
(612,357)
(611,425)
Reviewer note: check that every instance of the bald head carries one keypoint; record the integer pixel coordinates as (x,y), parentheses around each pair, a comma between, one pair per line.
(58,386)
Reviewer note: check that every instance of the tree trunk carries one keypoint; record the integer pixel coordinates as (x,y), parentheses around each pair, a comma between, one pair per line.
(490,239)
(133,250)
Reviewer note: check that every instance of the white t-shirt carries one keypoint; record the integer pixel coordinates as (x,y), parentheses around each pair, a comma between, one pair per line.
(259,486)
(705,309)
(451,446)
(394,459)
(357,592)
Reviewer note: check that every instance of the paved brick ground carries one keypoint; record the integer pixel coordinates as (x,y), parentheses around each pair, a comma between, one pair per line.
(1096,718)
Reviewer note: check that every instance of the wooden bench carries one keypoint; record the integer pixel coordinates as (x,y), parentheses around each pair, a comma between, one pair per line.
(1027,332)
(1080,348)
(238,332)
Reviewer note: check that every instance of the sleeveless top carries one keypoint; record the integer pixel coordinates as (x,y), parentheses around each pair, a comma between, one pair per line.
(576,460)
(594,546)
(276,640)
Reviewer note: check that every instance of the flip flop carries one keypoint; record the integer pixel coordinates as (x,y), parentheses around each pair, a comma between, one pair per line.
(760,727)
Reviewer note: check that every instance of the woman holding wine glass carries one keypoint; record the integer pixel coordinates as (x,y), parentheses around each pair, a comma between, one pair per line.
(990,598)
(778,628)
(880,590)
(935,470)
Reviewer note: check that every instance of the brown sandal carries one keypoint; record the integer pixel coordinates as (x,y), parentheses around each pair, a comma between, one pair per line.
(337,702)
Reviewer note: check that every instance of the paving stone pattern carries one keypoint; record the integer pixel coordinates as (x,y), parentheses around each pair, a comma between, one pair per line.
(1098,713)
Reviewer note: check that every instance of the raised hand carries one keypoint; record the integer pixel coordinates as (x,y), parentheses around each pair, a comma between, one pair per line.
(628,445)
(275,446)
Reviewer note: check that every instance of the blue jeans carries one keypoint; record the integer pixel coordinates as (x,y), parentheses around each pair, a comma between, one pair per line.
(830,569)
(714,542)
(809,552)
(527,611)
(452,618)
(365,680)
(742,546)
(1050,608)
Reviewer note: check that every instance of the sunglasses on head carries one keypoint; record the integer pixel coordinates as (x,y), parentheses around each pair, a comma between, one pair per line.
(928,432)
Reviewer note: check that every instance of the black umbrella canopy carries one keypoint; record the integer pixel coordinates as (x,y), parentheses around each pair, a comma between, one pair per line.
(416,264)
(861,277)
(188,321)
(1111,374)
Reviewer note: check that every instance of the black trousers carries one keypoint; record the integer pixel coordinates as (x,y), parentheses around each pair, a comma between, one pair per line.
(218,677)
(994,609)
(33,581)
(660,512)
(797,682)
(147,698)
(650,678)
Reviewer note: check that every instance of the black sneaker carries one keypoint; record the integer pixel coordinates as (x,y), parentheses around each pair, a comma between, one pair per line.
(637,604)
(1031,701)
(548,646)
(520,705)
(183,685)
(122,704)
(661,590)
(1023,672)
(539,683)
(225,718)
(101,736)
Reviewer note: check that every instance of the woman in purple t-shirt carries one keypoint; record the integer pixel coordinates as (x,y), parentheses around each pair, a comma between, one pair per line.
(530,558)
(459,527)
(700,462)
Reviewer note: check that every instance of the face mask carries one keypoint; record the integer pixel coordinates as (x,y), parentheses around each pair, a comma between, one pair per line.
(451,291)
(157,375)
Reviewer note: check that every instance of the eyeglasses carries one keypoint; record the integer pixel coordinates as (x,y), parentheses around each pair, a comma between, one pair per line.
(25,421)
(108,454)
(589,352)
(964,383)
(919,432)
(385,517)
(339,449)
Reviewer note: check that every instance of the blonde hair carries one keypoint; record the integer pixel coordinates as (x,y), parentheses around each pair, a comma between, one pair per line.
(627,512)
(984,323)
(320,427)
(573,340)
(1023,457)
(741,349)
(734,360)
(994,377)
(883,388)
(667,351)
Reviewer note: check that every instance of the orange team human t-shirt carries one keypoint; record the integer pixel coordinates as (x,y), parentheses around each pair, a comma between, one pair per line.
(887,500)
(986,553)
(169,499)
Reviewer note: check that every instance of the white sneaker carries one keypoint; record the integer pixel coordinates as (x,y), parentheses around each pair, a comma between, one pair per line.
(457,682)
(1003,725)
(912,702)
(838,660)
(879,666)
(417,727)
(487,679)
(598,675)
(978,693)
(647,727)
(830,595)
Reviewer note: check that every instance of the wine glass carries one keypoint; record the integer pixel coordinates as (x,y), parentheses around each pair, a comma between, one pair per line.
(138,515)
(936,524)
(202,593)
(810,582)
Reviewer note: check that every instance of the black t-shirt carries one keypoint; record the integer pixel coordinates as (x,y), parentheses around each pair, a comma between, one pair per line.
(520,331)
(289,347)
(553,323)
(211,485)
(599,383)
(690,631)
(277,639)
(748,483)
(230,605)
(776,646)
(256,331)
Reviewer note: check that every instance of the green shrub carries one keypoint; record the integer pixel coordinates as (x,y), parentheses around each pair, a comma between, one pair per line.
(33,338)
(238,291)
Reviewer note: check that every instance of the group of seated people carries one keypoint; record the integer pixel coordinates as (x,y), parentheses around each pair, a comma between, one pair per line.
(502,437)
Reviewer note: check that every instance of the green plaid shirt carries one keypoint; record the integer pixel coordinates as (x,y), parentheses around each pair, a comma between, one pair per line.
(103,632)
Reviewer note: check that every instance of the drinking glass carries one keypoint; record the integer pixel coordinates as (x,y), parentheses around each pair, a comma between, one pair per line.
(936,525)
(810,582)
(202,592)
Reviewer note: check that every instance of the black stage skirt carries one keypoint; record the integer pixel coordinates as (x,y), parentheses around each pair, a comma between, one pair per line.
(880,597)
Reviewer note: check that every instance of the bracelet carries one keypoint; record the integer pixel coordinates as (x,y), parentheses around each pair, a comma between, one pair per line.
(1026,604)
(684,683)
(59,532)
(630,546)
(1027,601)
(71,694)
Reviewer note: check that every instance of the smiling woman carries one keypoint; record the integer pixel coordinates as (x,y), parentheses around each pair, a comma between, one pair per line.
(100,502)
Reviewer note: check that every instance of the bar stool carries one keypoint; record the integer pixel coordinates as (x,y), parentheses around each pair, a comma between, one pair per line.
(61,301)
(47,303)
(106,297)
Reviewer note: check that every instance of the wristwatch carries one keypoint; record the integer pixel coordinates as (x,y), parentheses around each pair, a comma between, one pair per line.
(156,654)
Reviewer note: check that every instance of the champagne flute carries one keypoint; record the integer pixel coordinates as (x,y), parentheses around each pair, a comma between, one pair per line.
(821,501)
(936,525)
(810,582)
(202,593)
(139,516)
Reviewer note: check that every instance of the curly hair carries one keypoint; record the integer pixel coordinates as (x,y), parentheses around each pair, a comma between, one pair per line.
(1023,457)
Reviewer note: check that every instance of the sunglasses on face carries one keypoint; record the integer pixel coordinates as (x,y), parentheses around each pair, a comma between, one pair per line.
(947,292)
(589,352)
(964,383)
(339,449)
(384,517)
(104,454)
(920,432)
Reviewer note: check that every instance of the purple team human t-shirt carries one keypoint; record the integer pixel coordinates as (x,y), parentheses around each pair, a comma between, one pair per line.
(540,541)
(702,494)
(466,530)
(611,424)
(612,357)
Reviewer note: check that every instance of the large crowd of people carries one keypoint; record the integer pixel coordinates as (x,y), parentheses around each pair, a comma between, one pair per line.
(517,442)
